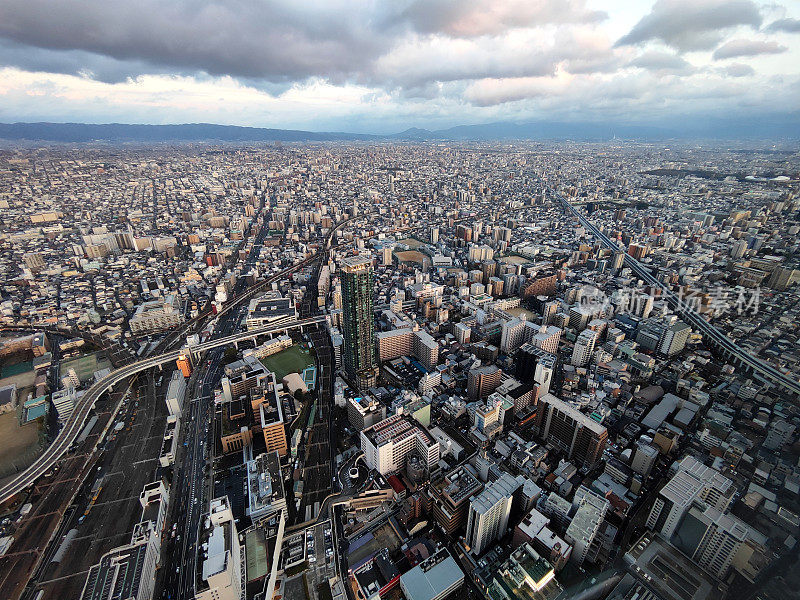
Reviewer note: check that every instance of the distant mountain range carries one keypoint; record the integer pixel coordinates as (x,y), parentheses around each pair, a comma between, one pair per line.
(538,130)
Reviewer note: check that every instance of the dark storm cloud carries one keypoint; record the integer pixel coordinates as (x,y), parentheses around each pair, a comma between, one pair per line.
(270,39)
(77,62)
(785,25)
(692,24)
(737,48)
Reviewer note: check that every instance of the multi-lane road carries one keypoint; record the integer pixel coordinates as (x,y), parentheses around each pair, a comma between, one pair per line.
(72,427)
(754,365)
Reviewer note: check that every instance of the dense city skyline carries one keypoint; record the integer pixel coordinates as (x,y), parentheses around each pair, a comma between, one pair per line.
(400,300)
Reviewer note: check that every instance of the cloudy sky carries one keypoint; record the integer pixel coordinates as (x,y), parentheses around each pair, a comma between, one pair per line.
(384,65)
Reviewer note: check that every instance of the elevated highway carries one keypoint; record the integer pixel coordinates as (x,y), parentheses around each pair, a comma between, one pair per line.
(759,368)
(71,429)
(75,423)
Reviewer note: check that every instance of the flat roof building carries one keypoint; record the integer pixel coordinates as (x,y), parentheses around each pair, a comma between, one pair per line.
(265,493)
(567,428)
(270,309)
(435,578)
(219,560)
(387,444)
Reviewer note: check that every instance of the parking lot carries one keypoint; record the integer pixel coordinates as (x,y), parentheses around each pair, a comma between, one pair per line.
(309,562)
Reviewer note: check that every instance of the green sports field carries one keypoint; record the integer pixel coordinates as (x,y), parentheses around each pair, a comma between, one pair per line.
(291,360)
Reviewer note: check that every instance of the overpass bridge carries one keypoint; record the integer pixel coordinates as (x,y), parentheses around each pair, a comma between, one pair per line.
(759,368)
(73,426)
(71,429)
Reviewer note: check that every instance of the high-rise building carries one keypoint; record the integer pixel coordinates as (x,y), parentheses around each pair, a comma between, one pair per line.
(363,412)
(711,538)
(675,338)
(488,513)
(359,322)
(482,381)
(584,529)
(534,365)
(546,338)
(644,459)
(268,409)
(512,336)
(584,348)
(564,426)
(176,390)
(451,496)
(693,481)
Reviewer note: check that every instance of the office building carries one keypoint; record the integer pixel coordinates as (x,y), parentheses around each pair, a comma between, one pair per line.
(711,538)
(388,444)
(359,322)
(487,519)
(242,376)
(128,571)
(266,403)
(489,416)
(525,575)
(519,394)
(565,427)
(512,336)
(585,528)
(219,560)
(534,529)
(644,458)
(535,365)
(176,391)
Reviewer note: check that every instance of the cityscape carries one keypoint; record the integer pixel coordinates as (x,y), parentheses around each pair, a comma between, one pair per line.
(426,301)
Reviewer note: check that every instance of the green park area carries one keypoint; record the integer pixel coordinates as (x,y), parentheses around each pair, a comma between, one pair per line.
(291,360)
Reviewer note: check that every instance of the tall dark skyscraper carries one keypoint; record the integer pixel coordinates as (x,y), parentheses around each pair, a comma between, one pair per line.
(359,321)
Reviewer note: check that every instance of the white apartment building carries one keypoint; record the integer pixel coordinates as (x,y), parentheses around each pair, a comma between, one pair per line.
(176,390)
(584,347)
(584,529)
(488,513)
(156,315)
(547,338)
(387,444)
(512,336)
